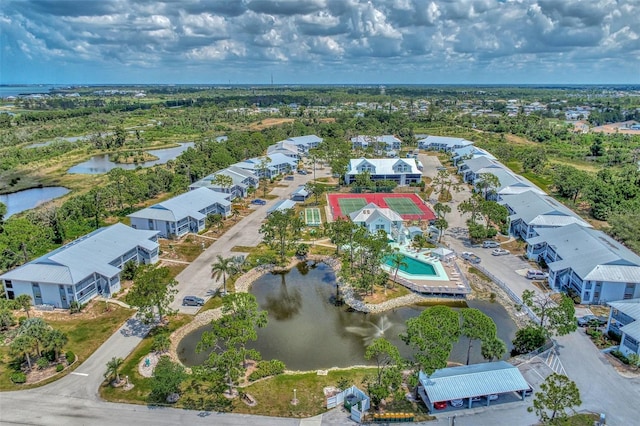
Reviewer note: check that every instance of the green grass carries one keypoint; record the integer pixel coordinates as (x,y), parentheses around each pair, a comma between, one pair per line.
(312,216)
(86,332)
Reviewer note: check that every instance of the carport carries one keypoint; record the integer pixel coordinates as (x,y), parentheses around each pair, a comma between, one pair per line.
(471,381)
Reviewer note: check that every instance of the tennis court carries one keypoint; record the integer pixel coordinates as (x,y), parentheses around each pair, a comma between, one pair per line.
(403,206)
(408,206)
(312,216)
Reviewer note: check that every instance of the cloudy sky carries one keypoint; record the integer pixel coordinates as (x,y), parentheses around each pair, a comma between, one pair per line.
(319,41)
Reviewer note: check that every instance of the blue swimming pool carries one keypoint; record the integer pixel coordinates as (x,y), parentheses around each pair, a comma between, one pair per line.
(413,266)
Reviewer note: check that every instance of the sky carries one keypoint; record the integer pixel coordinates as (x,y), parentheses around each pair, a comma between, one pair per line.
(319,42)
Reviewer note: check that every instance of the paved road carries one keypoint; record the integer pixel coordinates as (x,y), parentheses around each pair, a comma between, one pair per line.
(195,279)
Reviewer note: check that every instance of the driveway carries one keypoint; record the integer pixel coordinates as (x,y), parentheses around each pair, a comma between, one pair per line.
(195,279)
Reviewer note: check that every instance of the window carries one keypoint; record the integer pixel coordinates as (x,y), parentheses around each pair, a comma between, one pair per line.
(8,284)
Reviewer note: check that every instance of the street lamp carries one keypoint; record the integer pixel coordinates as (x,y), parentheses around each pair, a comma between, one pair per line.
(295,399)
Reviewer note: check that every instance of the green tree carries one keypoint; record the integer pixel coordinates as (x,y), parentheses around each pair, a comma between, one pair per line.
(493,348)
(223,267)
(113,369)
(341,232)
(6,319)
(3,212)
(476,326)
(24,302)
(443,183)
(432,335)
(441,224)
(23,344)
(529,338)
(223,181)
(441,209)
(153,291)
(281,230)
(473,206)
(363,181)
(161,342)
(569,181)
(168,376)
(315,188)
(557,318)
(557,394)
(488,183)
(397,261)
(388,375)
(215,219)
(36,328)
(263,169)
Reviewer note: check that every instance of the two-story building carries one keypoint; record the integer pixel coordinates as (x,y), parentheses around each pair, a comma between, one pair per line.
(182,214)
(624,320)
(375,219)
(242,181)
(305,143)
(443,143)
(587,263)
(380,144)
(82,269)
(286,148)
(269,166)
(401,170)
(469,152)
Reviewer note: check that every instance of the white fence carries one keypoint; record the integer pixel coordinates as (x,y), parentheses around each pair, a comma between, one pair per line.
(358,409)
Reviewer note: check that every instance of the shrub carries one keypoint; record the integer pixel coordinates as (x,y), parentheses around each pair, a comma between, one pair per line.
(18,377)
(129,270)
(21,320)
(266,369)
(75,307)
(620,356)
(70,357)
(42,363)
(59,368)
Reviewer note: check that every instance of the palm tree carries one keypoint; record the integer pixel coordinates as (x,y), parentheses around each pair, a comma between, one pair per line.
(222,268)
(235,213)
(55,341)
(23,345)
(113,369)
(215,220)
(493,348)
(397,261)
(36,328)
(24,302)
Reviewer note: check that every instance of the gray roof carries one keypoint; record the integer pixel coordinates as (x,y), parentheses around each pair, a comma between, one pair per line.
(630,307)
(632,329)
(444,140)
(305,140)
(301,190)
(184,205)
(91,253)
(282,205)
(371,212)
(473,380)
(478,163)
(591,254)
(542,210)
(474,151)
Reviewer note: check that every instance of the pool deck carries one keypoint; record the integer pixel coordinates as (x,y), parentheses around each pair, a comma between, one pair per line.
(449,281)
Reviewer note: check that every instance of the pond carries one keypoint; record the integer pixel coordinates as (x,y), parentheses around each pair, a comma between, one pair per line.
(307,331)
(71,139)
(100,164)
(29,198)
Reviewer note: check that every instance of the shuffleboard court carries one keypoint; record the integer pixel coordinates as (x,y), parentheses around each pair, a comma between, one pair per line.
(408,206)
(312,216)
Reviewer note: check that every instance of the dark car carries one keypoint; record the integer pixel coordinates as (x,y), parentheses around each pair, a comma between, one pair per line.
(592,320)
(259,202)
(302,171)
(192,301)
(288,177)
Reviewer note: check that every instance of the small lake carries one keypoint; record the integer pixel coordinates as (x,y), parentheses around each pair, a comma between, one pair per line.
(100,164)
(69,139)
(29,198)
(307,331)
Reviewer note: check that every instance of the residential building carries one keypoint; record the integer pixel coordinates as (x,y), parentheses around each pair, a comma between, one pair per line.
(530,210)
(384,143)
(305,143)
(300,194)
(241,182)
(401,170)
(469,152)
(624,319)
(281,206)
(471,168)
(286,148)
(182,214)
(375,219)
(443,143)
(269,166)
(84,268)
(586,263)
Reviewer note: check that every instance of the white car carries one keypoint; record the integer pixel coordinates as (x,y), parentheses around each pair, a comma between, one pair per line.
(456,402)
(500,252)
(492,397)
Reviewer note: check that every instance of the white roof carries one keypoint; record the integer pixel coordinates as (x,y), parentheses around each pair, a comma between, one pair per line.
(282,205)
(305,140)
(444,140)
(630,307)
(371,212)
(383,166)
(284,147)
(184,205)
(478,163)
(386,139)
(91,253)
(540,209)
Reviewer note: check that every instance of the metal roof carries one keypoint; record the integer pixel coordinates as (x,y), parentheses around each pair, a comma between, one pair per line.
(383,166)
(305,140)
(479,163)
(371,212)
(629,307)
(632,329)
(540,209)
(282,205)
(474,380)
(91,253)
(444,140)
(189,204)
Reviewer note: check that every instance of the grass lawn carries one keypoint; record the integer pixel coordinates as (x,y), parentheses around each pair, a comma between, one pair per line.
(86,332)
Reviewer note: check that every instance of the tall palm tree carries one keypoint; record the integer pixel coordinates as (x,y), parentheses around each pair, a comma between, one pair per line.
(113,368)
(55,341)
(23,345)
(397,261)
(223,267)
(24,302)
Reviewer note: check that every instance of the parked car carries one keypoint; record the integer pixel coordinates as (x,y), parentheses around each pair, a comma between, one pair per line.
(440,405)
(592,320)
(470,257)
(288,177)
(500,252)
(259,202)
(490,244)
(302,171)
(457,403)
(492,397)
(535,274)
(192,301)
(476,399)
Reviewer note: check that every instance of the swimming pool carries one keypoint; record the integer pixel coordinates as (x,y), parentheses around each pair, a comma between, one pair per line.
(413,267)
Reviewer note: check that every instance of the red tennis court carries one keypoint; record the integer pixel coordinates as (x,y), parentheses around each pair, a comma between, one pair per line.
(408,206)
